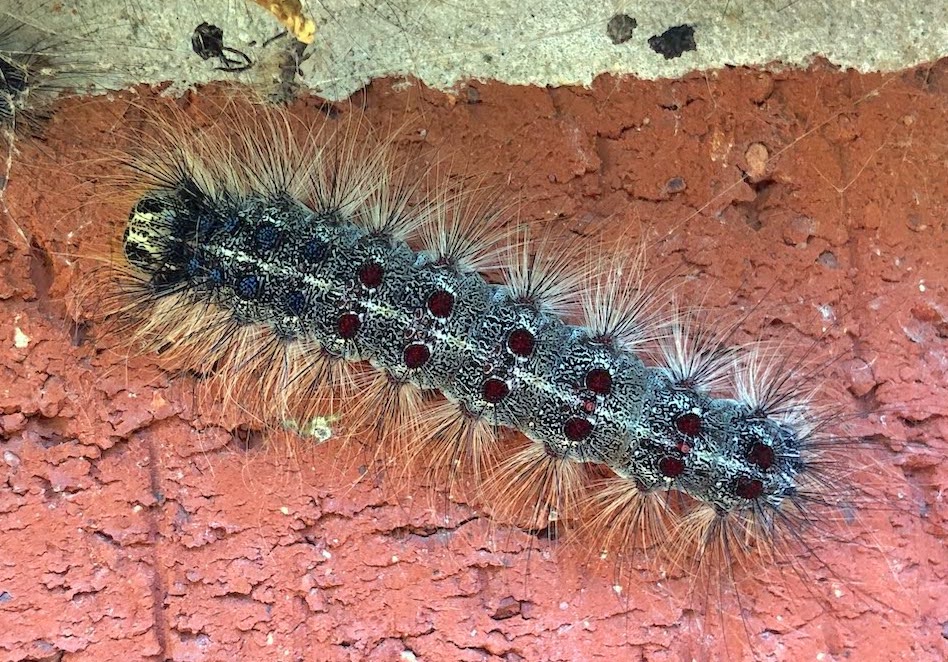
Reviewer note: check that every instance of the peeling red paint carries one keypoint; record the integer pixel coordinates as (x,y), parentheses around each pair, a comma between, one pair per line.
(132,526)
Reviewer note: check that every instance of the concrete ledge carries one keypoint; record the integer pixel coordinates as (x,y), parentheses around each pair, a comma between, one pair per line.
(531,42)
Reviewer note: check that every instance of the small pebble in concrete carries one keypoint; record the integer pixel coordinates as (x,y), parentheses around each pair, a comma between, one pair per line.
(508,608)
(828,260)
(620,28)
(798,231)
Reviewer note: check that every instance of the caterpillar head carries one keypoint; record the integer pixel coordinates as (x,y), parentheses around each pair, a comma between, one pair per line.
(149,238)
(161,236)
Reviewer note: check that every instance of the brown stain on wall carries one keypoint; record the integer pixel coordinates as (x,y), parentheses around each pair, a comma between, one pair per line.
(132,525)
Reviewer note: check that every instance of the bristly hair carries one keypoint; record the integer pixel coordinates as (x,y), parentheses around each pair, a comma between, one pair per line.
(773,382)
(535,490)
(621,302)
(248,367)
(694,352)
(463,230)
(543,273)
(622,520)
(452,444)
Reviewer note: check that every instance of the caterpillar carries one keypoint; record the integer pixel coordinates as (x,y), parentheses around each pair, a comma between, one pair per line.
(310,280)
(47,51)
(27,70)
(510,613)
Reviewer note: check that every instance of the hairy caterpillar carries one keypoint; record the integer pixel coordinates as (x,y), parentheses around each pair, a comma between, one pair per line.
(216,578)
(29,70)
(47,51)
(289,284)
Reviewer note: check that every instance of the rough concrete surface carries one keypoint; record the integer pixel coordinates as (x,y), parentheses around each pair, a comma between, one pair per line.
(136,523)
(535,42)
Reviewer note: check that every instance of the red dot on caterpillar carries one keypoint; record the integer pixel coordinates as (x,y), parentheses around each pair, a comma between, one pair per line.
(441,303)
(689,424)
(671,467)
(348,325)
(598,380)
(521,342)
(370,274)
(416,355)
(577,428)
(749,488)
(495,390)
(761,454)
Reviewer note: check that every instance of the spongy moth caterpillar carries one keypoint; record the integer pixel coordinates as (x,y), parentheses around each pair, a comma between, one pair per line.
(327,275)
